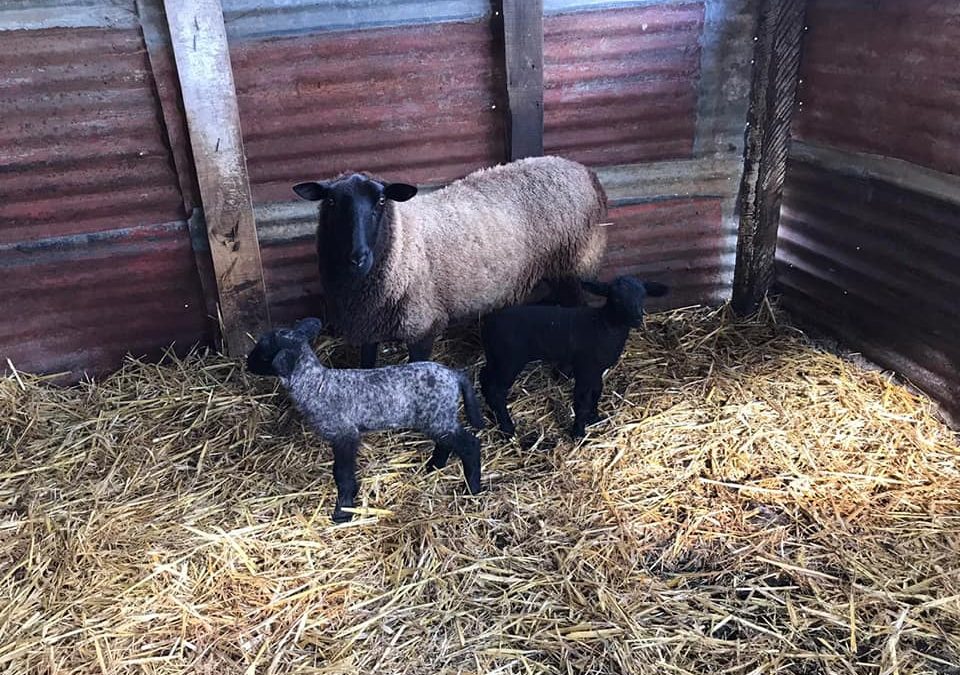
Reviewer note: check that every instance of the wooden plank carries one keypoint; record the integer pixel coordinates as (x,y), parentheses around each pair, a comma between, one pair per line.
(773,92)
(210,99)
(523,48)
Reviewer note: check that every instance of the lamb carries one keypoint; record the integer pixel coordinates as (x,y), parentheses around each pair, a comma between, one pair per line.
(342,404)
(393,269)
(588,339)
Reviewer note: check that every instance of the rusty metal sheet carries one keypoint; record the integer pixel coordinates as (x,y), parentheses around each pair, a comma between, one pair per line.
(420,104)
(878,266)
(273,18)
(82,146)
(675,241)
(78,304)
(881,77)
(621,84)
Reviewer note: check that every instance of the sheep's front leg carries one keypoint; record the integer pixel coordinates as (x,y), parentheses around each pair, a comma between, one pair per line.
(421,350)
(368,354)
(345,475)
(586,395)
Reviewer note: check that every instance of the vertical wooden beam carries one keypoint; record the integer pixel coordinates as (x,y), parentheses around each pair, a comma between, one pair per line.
(210,100)
(773,92)
(523,47)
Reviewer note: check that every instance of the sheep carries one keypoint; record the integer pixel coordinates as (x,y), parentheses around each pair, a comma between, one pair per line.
(340,405)
(587,339)
(394,269)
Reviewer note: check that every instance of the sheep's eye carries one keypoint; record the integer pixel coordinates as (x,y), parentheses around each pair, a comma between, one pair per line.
(330,201)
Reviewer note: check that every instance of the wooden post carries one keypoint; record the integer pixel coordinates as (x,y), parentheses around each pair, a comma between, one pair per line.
(210,100)
(523,47)
(773,92)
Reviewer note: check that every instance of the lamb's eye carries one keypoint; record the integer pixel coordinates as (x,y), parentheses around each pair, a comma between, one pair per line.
(330,201)
(382,200)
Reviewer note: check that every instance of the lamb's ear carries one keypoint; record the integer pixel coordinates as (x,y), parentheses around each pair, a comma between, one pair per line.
(596,287)
(284,363)
(654,289)
(309,328)
(311,191)
(399,192)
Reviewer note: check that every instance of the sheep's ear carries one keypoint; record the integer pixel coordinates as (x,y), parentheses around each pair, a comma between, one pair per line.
(399,192)
(596,287)
(311,191)
(654,289)
(309,328)
(284,363)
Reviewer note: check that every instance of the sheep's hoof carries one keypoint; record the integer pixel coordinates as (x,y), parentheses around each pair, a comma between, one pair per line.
(508,429)
(340,516)
(578,431)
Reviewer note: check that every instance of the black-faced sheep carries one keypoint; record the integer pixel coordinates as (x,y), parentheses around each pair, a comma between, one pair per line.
(339,405)
(587,339)
(394,269)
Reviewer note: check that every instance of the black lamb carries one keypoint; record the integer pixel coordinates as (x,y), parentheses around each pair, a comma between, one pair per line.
(587,340)
(339,405)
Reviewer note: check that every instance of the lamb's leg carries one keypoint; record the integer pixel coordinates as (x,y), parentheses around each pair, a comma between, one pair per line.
(421,349)
(368,354)
(441,453)
(345,474)
(467,447)
(569,293)
(495,394)
(586,394)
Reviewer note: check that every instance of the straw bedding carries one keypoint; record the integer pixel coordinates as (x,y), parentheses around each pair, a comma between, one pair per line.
(749,504)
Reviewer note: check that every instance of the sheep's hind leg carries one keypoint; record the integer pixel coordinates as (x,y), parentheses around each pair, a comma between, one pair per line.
(368,354)
(421,349)
(345,474)
(467,447)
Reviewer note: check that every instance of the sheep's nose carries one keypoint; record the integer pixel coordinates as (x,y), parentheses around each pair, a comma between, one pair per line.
(359,259)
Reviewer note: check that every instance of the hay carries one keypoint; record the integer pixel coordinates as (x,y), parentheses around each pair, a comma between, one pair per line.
(750,504)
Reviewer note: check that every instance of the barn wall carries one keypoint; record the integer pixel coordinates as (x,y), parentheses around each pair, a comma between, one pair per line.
(98,193)
(869,244)
(651,94)
(95,253)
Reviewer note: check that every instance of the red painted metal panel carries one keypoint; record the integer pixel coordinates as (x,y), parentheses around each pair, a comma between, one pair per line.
(80,303)
(881,77)
(293,282)
(417,103)
(878,266)
(82,146)
(675,241)
(620,86)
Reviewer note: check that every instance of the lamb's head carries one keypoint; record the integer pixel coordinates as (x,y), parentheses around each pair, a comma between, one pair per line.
(626,296)
(350,218)
(277,352)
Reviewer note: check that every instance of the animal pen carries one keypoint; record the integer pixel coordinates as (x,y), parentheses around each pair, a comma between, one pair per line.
(773,486)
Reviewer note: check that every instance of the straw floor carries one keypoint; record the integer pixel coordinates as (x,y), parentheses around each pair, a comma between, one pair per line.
(749,504)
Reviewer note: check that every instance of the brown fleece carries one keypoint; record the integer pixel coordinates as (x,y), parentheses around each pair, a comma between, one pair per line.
(481,243)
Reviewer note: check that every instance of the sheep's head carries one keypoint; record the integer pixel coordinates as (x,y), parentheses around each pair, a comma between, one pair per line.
(276,353)
(626,296)
(350,218)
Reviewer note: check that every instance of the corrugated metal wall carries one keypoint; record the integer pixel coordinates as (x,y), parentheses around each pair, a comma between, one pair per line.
(96,181)
(95,254)
(869,244)
(652,94)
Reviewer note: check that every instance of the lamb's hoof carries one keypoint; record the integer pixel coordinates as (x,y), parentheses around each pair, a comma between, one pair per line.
(578,431)
(434,465)
(564,369)
(340,516)
(508,429)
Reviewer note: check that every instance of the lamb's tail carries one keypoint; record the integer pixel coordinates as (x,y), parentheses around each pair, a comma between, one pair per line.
(470,404)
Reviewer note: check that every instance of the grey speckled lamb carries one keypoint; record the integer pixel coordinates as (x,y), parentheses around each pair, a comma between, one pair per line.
(342,404)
